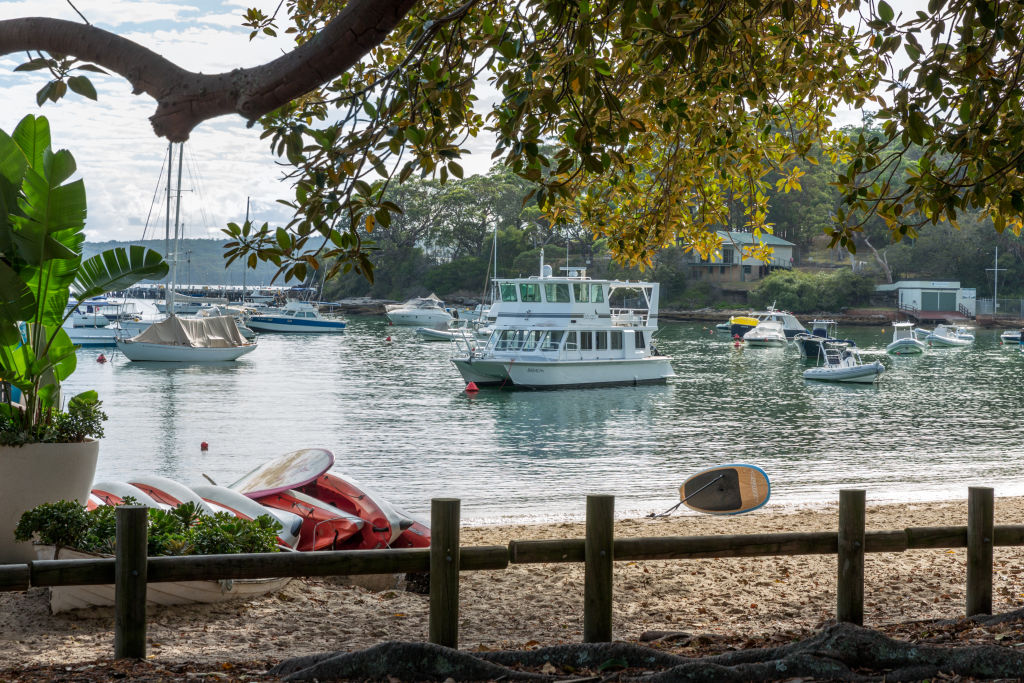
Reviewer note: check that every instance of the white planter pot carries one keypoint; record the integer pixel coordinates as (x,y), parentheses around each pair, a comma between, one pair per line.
(40,473)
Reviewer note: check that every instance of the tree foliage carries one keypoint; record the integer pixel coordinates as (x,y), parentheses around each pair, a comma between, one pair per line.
(667,119)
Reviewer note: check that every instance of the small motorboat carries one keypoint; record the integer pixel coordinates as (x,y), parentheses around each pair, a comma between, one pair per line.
(904,343)
(1010,337)
(766,333)
(296,316)
(946,335)
(808,344)
(451,332)
(428,311)
(842,363)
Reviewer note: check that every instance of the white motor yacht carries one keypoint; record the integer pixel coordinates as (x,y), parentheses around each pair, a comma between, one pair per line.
(904,342)
(568,331)
(739,326)
(766,333)
(296,316)
(424,311)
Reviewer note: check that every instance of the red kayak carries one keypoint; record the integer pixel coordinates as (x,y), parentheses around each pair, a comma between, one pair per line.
(324,527)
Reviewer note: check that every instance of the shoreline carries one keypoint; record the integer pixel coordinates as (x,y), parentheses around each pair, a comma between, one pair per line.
(529,606)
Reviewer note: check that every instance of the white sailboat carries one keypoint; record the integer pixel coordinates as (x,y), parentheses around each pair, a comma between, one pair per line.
(174,339)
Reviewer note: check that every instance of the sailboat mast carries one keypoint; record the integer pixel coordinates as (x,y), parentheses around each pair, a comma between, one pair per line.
(168,296)
(177,216)
(244,266)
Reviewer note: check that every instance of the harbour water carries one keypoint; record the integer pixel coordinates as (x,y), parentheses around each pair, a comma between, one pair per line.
(396,417)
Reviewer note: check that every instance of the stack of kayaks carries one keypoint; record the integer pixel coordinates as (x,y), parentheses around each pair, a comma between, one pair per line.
(316,510)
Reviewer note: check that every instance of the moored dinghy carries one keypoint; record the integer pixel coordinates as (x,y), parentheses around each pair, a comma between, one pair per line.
(842,363)
(904,342)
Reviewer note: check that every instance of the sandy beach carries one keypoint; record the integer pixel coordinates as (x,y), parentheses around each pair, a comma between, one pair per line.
(530,605)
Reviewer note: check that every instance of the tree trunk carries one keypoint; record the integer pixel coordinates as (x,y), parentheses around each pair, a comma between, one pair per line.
(880,258)
(186,99)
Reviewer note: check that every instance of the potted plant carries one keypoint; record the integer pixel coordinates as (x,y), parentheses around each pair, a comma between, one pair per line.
(48,450)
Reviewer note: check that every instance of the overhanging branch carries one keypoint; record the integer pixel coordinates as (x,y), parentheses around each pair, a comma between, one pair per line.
(186,99)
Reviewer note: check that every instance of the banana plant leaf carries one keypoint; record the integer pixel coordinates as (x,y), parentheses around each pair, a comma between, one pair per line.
(117,269)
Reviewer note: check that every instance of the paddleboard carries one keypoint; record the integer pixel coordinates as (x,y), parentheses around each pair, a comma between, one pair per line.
(726,490)
(290,471)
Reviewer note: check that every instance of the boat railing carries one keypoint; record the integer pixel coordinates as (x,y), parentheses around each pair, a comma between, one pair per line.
(629,317)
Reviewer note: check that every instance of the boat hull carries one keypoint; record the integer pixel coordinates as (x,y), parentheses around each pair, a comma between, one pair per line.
(866,373)
(272,324)
(906,347)
(65,598)
(559,374)
(146,351)
(947,342)
(419,318)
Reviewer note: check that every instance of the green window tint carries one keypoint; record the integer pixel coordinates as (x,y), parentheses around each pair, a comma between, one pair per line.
(532,339)
(556,292)
(617,340)
(571,343)
(586,341)
(529,292)
(596,293)
(508,292)
(601,339)
(582,292)
(638,343)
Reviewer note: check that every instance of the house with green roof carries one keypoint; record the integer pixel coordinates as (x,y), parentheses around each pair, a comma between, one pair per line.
(730,265)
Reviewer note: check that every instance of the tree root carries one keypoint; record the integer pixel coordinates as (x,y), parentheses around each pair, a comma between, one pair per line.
(840,652)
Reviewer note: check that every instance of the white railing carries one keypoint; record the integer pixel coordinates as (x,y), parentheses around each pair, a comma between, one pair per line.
(629,317)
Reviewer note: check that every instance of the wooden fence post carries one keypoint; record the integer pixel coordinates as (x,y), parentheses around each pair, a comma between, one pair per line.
(130,582)
(444,572)
(980,530)
(850,587)
(597,587)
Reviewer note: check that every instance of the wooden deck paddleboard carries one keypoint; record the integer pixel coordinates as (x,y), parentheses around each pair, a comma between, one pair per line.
(726,490)
(290,471)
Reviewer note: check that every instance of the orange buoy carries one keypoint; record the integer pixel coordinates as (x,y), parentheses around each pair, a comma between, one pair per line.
(101,358)
(204,446)
(472,388)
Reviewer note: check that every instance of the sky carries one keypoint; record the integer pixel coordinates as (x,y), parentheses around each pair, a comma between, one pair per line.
(118,155)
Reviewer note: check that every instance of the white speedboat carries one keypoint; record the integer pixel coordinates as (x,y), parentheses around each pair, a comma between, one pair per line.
(739,326)
(425,311)
(296,316)
(568,331)
(946,335)
(190,340)
(904,343)
(450,333)
(842,363)
(766,333)
(1010,337)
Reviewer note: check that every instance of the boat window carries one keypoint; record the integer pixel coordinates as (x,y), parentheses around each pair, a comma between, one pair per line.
(582,292)
(508,292)
(556,292)
(571,344)
(639,340)
(586,341)
(529,291)
(601,341)
(616,339)
(553,340)
(532,339)
(596,293)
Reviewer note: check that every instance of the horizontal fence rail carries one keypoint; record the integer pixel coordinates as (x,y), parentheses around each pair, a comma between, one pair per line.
(597,551)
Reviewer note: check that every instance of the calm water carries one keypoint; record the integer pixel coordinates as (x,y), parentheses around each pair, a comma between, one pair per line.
(395,416)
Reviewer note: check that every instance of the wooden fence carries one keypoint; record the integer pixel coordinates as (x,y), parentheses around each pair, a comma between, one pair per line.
(131,569)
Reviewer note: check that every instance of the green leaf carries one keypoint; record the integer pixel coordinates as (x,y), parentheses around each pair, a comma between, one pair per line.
(17,303)
(885,11)
(33,65)
(116,269)
(83,86)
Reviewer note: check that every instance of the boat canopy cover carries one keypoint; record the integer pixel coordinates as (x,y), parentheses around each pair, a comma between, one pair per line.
(212,332)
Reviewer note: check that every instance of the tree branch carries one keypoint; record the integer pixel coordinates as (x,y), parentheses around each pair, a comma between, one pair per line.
(186,99)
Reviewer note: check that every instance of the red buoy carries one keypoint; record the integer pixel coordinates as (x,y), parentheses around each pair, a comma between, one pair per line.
(204,446)
(387,338)
(472,388)
(101,358)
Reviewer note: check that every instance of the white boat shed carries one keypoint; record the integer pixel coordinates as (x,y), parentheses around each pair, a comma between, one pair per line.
(932,297)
